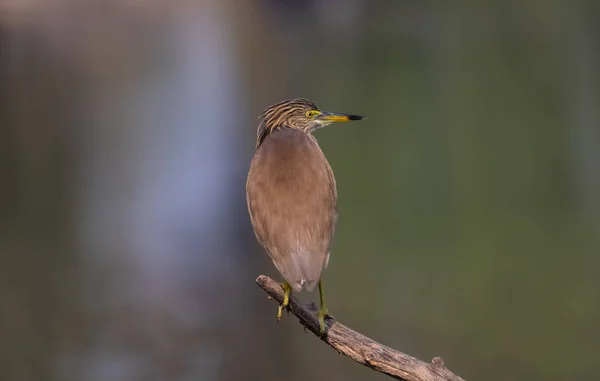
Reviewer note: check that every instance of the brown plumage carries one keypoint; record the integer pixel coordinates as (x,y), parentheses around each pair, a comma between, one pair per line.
(291,191)
(297,226)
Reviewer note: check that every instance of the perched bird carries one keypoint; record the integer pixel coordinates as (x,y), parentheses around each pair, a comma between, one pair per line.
(292,196)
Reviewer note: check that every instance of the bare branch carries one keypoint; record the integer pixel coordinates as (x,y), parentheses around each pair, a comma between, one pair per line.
(359,347)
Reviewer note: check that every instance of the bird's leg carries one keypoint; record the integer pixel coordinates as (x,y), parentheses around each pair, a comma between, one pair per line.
(287,289)
(323,311)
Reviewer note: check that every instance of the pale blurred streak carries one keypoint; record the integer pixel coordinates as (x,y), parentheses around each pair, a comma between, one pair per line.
(154,204)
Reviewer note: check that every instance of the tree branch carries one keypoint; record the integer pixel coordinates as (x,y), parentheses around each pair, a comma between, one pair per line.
(359,347)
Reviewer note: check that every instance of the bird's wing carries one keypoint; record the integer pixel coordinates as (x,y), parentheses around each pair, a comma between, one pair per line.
(291,195)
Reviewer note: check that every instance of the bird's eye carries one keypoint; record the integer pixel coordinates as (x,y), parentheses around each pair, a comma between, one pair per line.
(312,113)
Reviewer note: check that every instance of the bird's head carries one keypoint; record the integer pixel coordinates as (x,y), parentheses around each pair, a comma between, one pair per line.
(298,113)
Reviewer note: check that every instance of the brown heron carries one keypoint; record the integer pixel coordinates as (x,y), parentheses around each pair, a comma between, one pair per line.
(292,196)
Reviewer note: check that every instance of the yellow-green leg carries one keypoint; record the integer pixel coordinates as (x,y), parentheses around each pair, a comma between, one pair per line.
(323,312)
(287,289)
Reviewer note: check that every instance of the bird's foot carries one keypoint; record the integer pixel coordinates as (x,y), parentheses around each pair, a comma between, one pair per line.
(323,311)
(322,314)
(287,289)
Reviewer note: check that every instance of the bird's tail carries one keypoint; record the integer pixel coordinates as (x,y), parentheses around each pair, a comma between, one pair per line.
(302,269)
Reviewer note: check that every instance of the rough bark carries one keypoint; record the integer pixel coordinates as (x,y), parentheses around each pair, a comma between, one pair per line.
(360,348)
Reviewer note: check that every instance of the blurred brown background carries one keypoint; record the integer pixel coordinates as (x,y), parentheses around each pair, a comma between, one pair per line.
(469,199)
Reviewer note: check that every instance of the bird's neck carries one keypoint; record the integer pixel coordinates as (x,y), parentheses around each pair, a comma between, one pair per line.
(264,131)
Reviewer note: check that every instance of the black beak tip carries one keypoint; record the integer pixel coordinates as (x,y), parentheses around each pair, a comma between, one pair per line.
(356,117)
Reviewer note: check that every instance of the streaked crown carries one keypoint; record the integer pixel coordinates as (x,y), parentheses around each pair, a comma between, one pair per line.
(294,113)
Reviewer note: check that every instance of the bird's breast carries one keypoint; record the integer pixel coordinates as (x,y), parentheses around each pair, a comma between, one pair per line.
(291,191)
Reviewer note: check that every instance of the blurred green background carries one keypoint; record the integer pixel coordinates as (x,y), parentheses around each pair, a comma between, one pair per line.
(469,202)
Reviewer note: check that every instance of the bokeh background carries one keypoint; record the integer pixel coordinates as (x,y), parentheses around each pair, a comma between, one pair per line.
(469,199)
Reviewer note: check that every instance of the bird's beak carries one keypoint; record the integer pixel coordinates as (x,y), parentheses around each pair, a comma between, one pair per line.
(329,117)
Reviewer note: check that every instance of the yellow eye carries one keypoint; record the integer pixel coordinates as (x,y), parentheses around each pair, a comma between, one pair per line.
(312,113)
